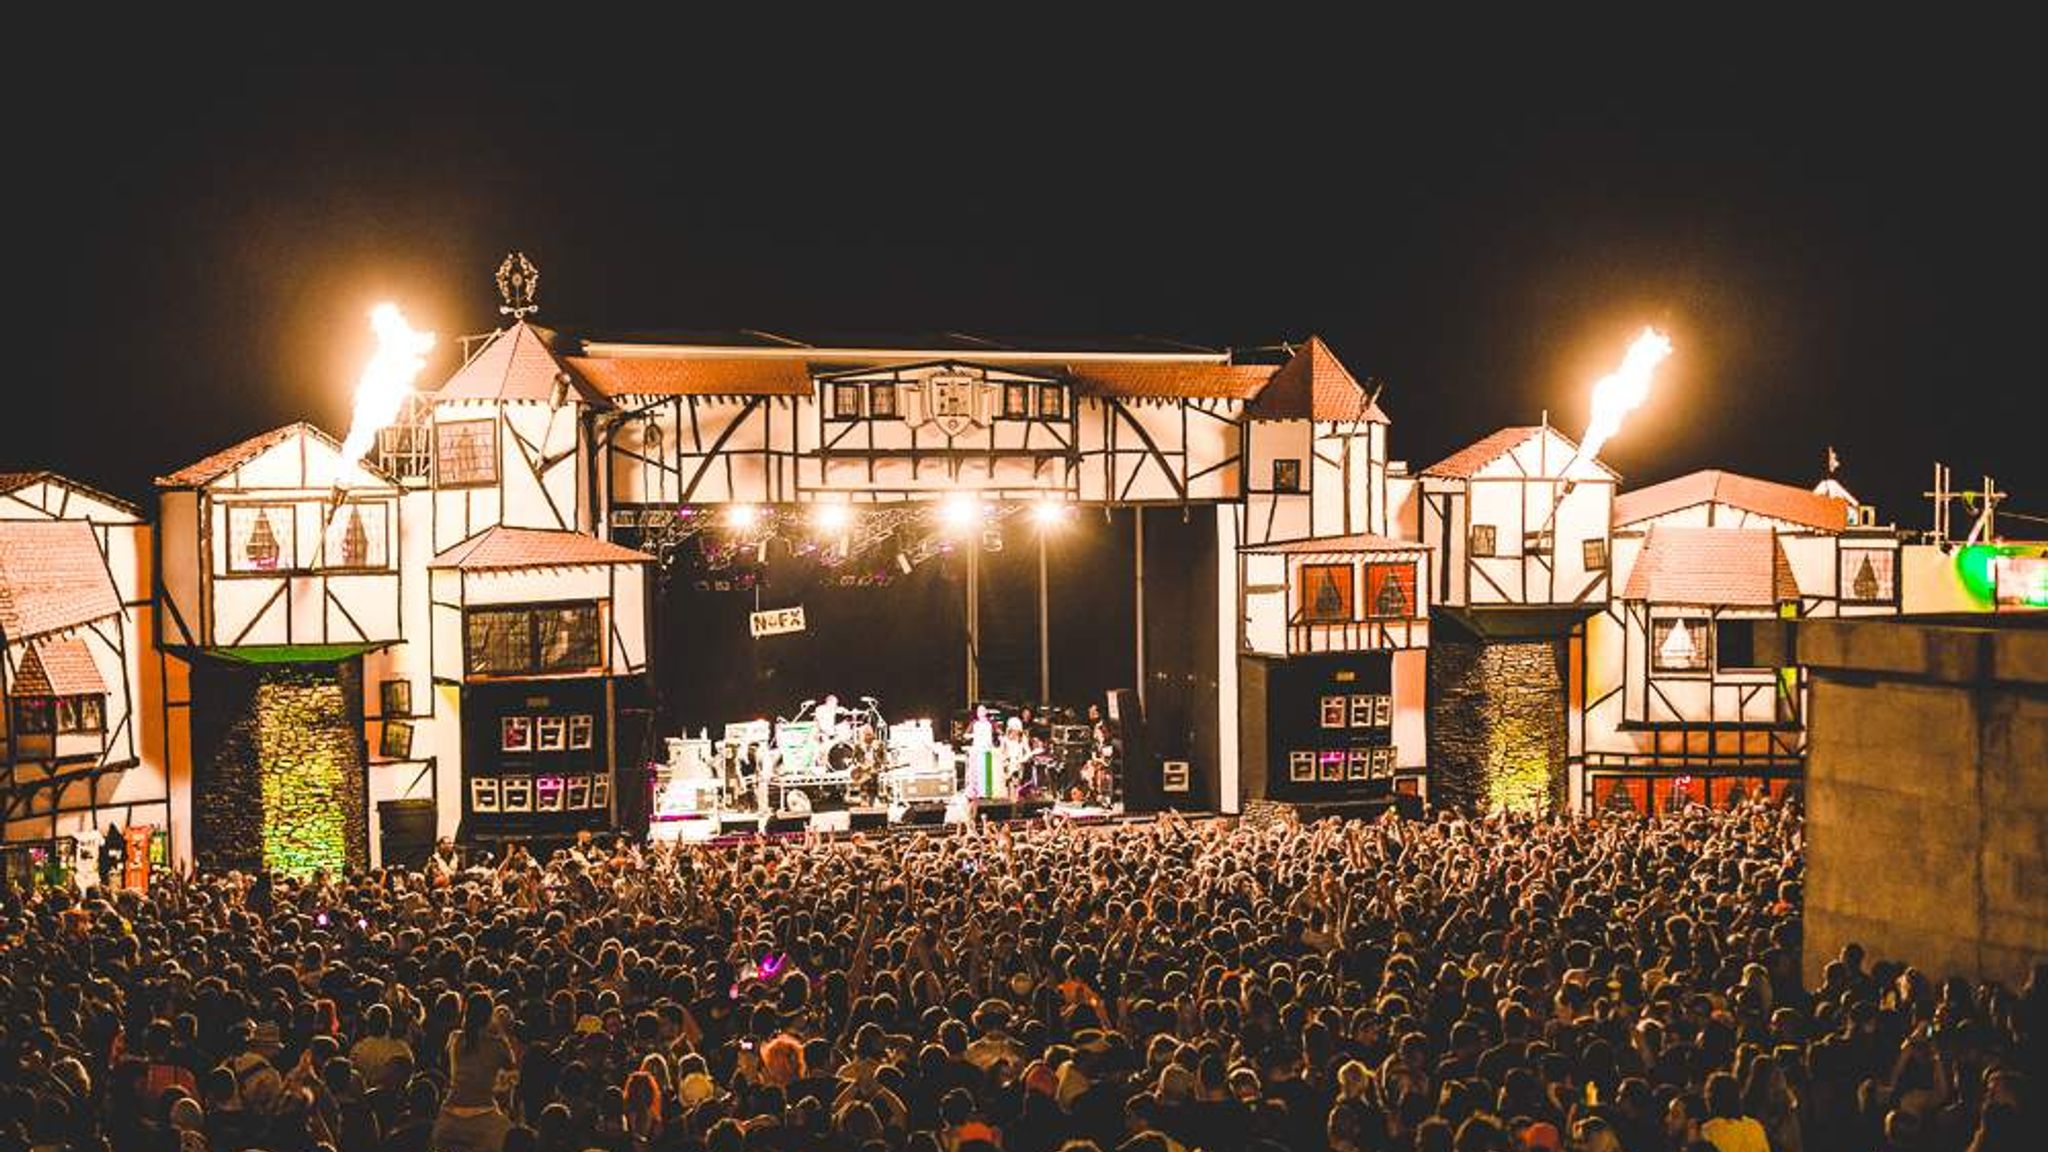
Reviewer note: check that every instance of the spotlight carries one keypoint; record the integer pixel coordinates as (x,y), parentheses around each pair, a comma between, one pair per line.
(1049,512)
(960,511)
(831,517)
(741,516)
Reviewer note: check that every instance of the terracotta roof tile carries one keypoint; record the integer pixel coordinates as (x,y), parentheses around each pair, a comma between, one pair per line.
(52,577)
(203,472)
(1467,461)
(1741,567)
(693,376)
(58,668)
(500,547)
(516,364)
(1314,385)
(1713,486)
(1171,381)
(1357,542)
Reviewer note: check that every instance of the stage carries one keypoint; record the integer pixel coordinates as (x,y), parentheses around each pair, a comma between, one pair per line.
(715,825)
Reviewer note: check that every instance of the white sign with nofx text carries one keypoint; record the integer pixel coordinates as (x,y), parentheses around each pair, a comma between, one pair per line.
(777,621)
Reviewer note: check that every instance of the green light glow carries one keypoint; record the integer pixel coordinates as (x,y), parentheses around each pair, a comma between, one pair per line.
(304,775)
(2020,568)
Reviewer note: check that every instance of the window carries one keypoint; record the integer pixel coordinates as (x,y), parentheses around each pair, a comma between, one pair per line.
(1594,553)
(1326,592)
(66,715)
(1869,576)
(1301,767)
(1335,714)
(1052,402)
(396,697)
(466,454)
(1016,401)
(261,538)
(1390,591)
(1330,766)
(1287,475)
(882,401)
(1482,540)
(35,715)
(1735,645)
(531,641)
(1680,644)
(1359,764)
(846,401)
(1537,543)
(396,743)
(358,537)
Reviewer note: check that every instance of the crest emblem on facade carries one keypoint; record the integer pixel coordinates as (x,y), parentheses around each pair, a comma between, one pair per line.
(954,399)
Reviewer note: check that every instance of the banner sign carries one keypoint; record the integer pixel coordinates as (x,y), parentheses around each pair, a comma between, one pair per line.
(135,865)
(777,621)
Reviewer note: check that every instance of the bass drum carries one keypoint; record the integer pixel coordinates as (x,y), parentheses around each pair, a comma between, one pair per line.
(839,756)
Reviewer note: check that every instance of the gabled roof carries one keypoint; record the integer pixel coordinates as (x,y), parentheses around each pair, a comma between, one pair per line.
(58,668)
(1466,461)
(1357,542)
(516,364)
(1314,385)
(1713,486)
(52,577)
(1473,459)
(1737,567)
(692,376)
(16,481)
(500,548)
(200,473)
(1170,381)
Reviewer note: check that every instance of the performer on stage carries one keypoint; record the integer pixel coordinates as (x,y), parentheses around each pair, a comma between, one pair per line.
(981,746)
(828,718)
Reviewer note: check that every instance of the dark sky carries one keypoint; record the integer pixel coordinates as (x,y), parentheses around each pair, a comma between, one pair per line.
(1845,240)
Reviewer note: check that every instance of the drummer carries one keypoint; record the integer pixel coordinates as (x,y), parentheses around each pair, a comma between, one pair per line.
(828,718)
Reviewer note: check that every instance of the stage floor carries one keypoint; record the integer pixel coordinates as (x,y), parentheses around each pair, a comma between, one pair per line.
(707,826)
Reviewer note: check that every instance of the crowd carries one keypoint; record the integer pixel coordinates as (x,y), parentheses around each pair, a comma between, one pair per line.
(1450,985)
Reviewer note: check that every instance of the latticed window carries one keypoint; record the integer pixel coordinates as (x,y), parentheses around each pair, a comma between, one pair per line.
(1390,590)
(465,453)
(1681,644)
(534,641)
(261,538)
(1016,401)
(1326,592)
(846,400)
(882,401)
(1052,402)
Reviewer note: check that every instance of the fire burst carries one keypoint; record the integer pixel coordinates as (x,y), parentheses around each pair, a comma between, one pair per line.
(386,380)
(1623,391)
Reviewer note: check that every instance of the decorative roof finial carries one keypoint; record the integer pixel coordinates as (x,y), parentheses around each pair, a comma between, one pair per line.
(1834,462)
(518,285)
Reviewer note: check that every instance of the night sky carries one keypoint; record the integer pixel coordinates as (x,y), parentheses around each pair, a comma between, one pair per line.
(1845,240)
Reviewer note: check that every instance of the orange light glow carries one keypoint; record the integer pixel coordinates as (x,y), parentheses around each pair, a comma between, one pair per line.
(1623,391)
(386,380)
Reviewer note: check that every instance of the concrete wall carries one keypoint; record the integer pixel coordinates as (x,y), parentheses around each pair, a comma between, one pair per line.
(1927,792)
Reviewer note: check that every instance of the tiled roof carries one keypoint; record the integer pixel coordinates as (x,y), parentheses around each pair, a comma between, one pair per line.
(692,376)
(204,472)
(1314,385)
(1171,381)
(1467,461)
(16,481)
(1713,486)
(1357,542)
(58,668)
(52,577)
(500,547)
(516,364)
(1740,567)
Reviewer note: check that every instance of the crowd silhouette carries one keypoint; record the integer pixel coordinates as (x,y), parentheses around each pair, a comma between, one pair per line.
(1620,984)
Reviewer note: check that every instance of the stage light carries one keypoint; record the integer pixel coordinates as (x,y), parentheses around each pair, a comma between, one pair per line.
(831,517)
(741,516)
(960,511)
(1049,512)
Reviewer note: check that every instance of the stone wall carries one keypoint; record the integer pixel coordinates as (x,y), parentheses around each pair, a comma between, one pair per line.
(282,768)
(1497,734)
(1927,793)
